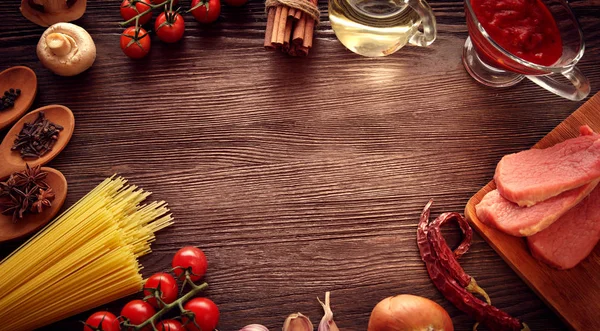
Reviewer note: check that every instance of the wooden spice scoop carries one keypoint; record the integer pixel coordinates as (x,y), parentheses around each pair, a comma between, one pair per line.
(30,223)
(11,161)
(21,78)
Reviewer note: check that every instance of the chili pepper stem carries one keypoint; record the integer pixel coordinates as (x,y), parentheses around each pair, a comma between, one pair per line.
(474,288)
(179,303)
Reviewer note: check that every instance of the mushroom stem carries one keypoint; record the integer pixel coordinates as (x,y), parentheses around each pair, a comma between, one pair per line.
(59,43)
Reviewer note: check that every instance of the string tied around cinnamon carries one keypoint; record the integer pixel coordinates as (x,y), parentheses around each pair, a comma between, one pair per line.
(290,25)
(309,8)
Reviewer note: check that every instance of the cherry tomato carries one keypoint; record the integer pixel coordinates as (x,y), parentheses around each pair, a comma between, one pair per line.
(189,258)
(206,11)
(164,285)
(135,46)
(169,27)
(137,312)
(108,320)
(236,3)
(206,315)
(170,325)
(158,2)
(129,10)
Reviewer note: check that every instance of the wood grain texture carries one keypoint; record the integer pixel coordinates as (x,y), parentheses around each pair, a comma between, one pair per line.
(298,176)
(572,293)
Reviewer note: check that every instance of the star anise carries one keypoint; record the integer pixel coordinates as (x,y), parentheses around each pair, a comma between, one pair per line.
(25,191)
(7,186)
(44,199)
(12,206)
(29,176)
(5,189)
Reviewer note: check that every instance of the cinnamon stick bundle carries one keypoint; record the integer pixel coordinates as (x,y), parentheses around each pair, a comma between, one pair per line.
(289,29)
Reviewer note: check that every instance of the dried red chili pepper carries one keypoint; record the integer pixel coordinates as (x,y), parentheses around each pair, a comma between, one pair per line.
(443,251)
(467,232)
(449,277)
(447,258)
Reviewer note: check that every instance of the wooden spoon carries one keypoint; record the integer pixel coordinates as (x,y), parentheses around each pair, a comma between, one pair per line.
(11,161)
(21,78)
(10,230)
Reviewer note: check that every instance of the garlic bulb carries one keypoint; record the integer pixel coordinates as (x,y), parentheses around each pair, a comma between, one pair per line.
(327,323)
(254,327)
(297,322)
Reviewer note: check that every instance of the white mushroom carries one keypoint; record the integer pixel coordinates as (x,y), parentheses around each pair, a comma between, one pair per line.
(66,49)
(48,12)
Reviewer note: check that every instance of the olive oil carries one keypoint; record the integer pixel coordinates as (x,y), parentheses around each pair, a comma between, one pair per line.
(373,27)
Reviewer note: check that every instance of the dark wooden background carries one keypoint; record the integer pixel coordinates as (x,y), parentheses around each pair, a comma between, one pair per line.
(298,176)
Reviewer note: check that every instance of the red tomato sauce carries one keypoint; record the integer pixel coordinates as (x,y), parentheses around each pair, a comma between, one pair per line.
(524,28)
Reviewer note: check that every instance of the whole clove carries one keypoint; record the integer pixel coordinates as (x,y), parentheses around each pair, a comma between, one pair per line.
(37,138)
(8,98)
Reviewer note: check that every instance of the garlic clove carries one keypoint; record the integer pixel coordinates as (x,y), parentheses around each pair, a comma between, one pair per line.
(297,322)
(327,323)
(254,327)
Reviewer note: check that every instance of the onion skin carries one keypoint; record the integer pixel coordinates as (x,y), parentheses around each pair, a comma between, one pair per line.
(407,312)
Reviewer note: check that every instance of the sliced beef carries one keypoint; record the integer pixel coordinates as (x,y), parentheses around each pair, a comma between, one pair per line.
(495,211)
(535,175)
(572,237)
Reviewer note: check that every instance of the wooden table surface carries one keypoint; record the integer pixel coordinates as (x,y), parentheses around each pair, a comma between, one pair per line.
(298,175)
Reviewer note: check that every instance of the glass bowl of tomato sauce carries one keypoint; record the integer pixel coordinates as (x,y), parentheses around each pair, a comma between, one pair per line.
(537,39)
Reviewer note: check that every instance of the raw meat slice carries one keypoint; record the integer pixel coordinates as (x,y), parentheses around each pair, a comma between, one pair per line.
(535,175)
(508,217)
(572,237)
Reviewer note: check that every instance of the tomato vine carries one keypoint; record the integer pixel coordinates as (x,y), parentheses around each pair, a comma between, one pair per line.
(160,290)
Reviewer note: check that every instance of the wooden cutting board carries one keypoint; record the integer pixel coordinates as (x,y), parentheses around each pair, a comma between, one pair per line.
(573,294)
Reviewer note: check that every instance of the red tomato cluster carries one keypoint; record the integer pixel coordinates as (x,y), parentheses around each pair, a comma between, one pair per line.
(160,290)
(169,26)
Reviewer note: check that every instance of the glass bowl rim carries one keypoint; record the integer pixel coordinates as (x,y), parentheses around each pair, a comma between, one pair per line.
(526,63)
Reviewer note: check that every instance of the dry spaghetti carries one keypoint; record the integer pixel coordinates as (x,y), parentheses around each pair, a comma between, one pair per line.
(85,258)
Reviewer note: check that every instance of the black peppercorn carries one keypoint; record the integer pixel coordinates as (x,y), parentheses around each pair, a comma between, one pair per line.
(8,99)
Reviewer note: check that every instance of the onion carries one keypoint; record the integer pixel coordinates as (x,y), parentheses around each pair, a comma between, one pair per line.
(407,312)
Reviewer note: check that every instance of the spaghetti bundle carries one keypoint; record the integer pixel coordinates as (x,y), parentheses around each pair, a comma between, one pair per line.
(85,258)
